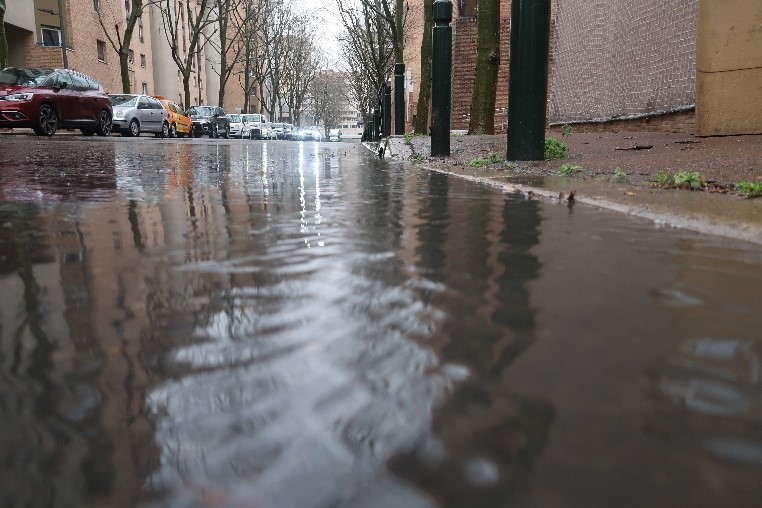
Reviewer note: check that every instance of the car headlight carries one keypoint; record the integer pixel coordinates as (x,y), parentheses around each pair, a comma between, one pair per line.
(119,114)
(19,97)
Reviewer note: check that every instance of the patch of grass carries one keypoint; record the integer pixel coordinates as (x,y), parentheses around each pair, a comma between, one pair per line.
(662,179)
(416,157)
(689,180)
(568,169)
(620,176)
(477,163)
(408,138)
(554,149)
(748,189)
(492,158)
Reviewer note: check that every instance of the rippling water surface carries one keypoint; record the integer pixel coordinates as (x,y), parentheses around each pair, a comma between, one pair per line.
(288,325)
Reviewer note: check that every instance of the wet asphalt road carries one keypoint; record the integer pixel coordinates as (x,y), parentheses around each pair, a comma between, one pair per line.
(246,323)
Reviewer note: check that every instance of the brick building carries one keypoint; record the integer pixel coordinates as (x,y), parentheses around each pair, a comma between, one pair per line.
(35,35)
(626,64)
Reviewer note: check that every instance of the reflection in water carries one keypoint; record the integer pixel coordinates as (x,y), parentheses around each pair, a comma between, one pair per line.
(265,324)
(708,388)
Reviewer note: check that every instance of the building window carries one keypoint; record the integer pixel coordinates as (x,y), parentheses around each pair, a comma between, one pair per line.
(467,8)
(142,60)
(51,36)
(145,88)
(140,29)
(101,47)
(131,56)
(97,5)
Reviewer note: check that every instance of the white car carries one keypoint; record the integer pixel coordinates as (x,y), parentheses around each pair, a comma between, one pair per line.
(254,126)
(236,125)
(334,135)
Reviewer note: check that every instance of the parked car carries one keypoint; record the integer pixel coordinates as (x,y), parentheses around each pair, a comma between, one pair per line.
(209,120)
(135,114)
(254,127)
(334,135)
(312,133)
(179,123)
(236,125)
(288,130)
(48,99)
(270,131)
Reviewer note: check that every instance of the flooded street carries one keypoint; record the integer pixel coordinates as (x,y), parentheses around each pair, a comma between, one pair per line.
(284,324)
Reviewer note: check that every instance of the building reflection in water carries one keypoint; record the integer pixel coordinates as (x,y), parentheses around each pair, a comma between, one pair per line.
(707,387)
(476,255)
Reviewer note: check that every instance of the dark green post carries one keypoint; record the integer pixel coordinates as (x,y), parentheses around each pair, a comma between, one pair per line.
(387,109)
(441,78)
(399,98)
(528,83)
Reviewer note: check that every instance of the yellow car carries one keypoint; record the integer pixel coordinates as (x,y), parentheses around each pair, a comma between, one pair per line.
(179,123)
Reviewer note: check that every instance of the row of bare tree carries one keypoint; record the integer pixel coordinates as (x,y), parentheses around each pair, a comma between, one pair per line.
(267,46)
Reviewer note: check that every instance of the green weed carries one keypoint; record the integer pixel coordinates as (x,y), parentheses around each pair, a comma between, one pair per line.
(554,149)
(408,138)
(477,163)
(568,169)
(689,180)
(662,179)
(566,131)
(748,189)
(620,176)
(493,158)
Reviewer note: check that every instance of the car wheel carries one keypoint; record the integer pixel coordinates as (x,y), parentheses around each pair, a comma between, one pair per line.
(47,120)
(226,135)
(164,130)
(134,130)
(87,132)
(104,124)
(173,131)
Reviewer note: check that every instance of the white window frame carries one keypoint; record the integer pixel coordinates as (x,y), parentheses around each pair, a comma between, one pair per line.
(52,29)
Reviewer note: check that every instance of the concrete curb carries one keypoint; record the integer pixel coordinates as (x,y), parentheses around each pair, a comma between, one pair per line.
(698,222)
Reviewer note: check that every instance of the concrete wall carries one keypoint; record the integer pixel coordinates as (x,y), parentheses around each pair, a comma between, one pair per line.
(20,13)
(729,64)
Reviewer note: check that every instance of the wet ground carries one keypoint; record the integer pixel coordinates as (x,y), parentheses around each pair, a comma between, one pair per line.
(201,323)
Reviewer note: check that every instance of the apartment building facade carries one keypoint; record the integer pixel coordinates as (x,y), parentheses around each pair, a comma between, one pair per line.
(37,33)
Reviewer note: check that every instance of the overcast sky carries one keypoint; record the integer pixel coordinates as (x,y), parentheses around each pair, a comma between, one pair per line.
(327,20)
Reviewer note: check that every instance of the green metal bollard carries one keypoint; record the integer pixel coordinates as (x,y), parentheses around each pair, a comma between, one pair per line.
(387,109)
(441,78)
(399,98)
(528,83)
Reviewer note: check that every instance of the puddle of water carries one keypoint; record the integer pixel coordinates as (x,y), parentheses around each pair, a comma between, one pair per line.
(263,324)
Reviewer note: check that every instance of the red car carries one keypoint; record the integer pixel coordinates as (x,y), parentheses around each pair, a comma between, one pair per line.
(48,99)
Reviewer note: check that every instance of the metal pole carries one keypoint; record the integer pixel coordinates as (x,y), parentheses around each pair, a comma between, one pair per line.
(441,78)
(63,34)
(399,98)
(528,82)
(387,108)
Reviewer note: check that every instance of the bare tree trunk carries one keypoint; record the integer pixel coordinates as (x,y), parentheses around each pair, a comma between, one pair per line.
(424,93)
(3,40)
(487,63)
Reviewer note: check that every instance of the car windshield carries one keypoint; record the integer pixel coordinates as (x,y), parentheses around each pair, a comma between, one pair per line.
(123,100)
(23,77)
(201,111)
(235,118)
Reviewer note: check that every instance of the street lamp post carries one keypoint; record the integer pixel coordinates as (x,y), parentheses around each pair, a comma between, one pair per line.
(441,71)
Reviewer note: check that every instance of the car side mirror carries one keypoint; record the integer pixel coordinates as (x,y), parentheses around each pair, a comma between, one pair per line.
(62,84)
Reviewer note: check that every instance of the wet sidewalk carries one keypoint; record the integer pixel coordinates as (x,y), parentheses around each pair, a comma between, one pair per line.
(615,170)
